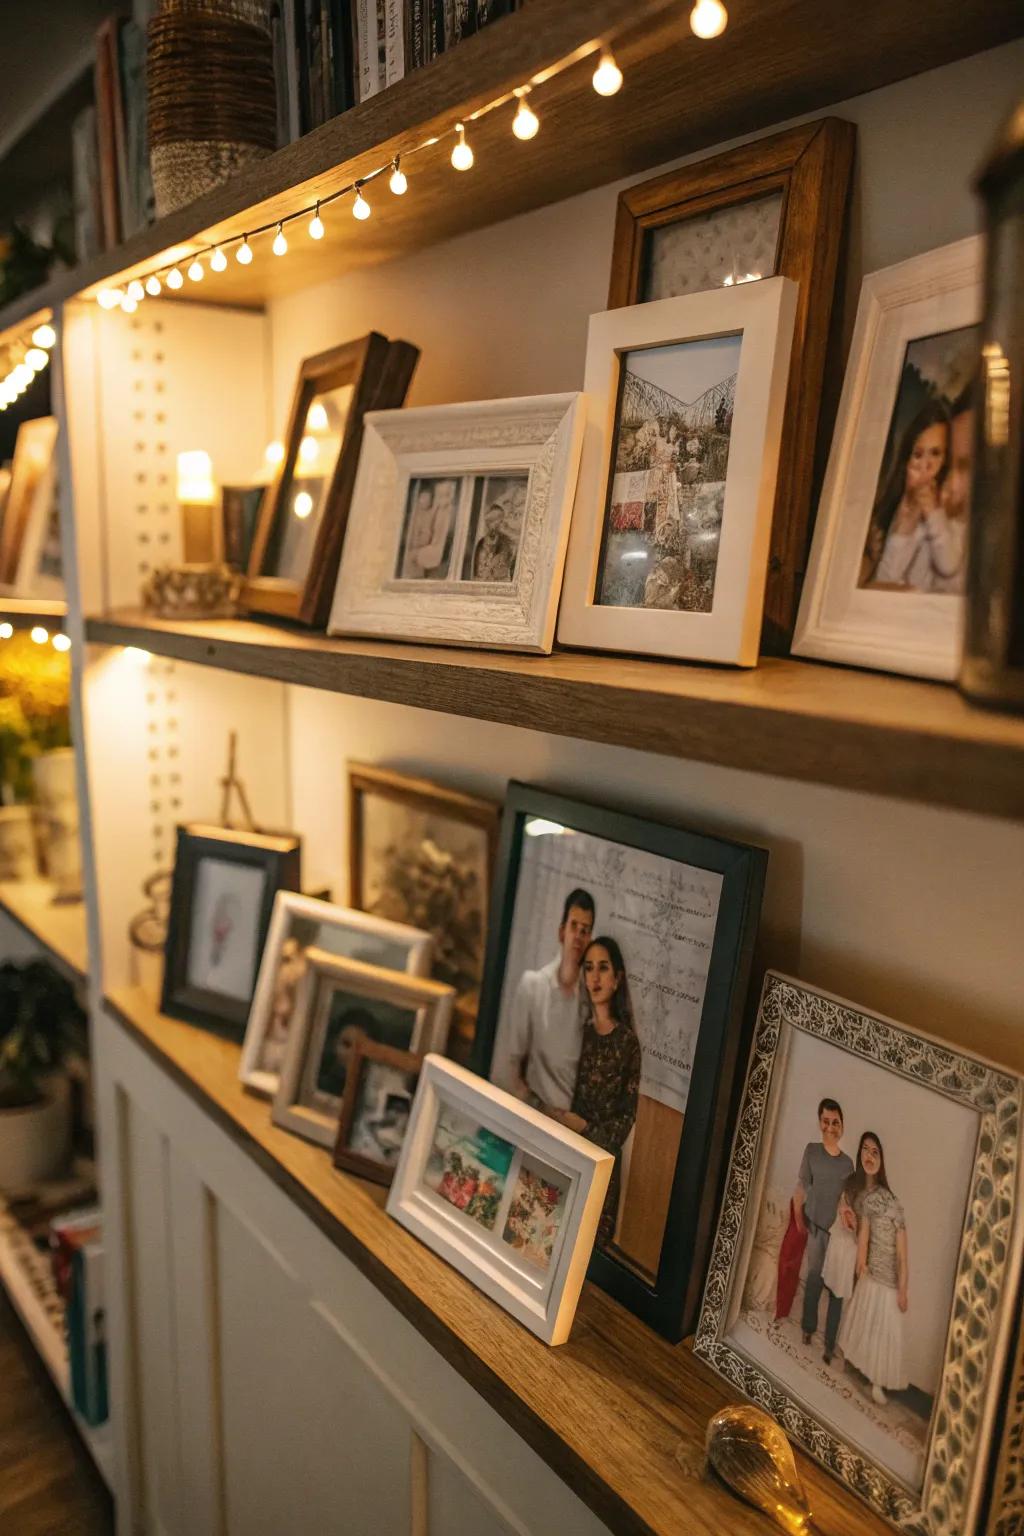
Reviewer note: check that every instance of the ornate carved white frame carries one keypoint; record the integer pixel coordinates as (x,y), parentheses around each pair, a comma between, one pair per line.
(988,1268)
(539,434)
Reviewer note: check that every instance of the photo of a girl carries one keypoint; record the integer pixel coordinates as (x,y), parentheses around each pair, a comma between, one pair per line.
(871,1332)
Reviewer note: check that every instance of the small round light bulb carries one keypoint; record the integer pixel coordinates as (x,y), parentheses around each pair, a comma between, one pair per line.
(316,420)
(195,271)
(218,261)
(398,181)
(128,304)
(309,449)
(316,225)
(462,155)
(607,76)
(136,290)
(174,279)
(244,252)
(39,634)
(108,298)
(302,506)
(153,286)
(360,207)
(44,336)
(709,18)
(526,123)
(36,358)
(274,453)
(62,642)
(6,630)
(280,245)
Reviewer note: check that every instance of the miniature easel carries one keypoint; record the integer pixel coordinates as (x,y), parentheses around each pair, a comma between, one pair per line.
(232,784)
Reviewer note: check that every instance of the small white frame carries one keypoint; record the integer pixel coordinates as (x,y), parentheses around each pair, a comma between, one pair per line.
(540,435)
(432,1000)
(913,632)
(544,1302)
(764,312)
(289,909)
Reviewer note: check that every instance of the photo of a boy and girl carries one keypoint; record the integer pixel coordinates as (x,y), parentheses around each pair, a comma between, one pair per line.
(464,528)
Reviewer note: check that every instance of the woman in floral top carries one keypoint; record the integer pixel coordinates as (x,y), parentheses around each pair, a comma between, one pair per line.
(871,1334)
(608,1079)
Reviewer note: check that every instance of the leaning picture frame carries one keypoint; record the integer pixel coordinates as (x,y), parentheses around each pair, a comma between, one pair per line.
(31,469)
(923,1321)
(501,1192)
(459,523)
(375,1110)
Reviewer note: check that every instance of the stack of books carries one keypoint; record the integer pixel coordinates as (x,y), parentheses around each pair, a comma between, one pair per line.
(112,191)
(76,1251)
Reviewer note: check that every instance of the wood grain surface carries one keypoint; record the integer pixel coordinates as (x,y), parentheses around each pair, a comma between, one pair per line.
(58,927)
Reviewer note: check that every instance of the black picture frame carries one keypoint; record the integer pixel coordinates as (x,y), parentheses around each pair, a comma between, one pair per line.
(671,1304)
(279,856)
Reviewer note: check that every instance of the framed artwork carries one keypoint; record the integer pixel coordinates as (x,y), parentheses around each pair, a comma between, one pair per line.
(240,507)
(459,523)
(375,1108)
(302,518)
(222,896)
(887,572)
(669,544)
(863,1283)
(341,1003)
(772,208)
(506,1195)
(298,924)
(32,464)
(40,570)
(617,967)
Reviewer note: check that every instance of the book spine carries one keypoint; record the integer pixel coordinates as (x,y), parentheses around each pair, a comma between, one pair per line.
(292,70)
(415,53)
(395,49)
(366,14)
(382,44)
(85,188)
(106,137)
(341,23)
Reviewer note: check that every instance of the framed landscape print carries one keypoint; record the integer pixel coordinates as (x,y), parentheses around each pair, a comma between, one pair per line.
(300,923)
(222,897)
(375,1109)
(669,544)
(459,523)
(617,966)
(34,450)
(340,1004)
(302,518)
(771,208)
(863,1283)
(506,1195)
(887,573)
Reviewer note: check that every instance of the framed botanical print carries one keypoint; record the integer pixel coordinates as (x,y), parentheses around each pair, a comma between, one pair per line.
(340,1004)
(771,208)
(375,1108)
(617,966)
(669,545)
(301,521)
(863,1286)
(298,924)
(32,465)
(505,1194)
(887,573)
(459,523)
(222,897)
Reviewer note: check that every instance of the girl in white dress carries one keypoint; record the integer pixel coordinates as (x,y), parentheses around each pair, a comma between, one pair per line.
(839,1271)
(871,1332)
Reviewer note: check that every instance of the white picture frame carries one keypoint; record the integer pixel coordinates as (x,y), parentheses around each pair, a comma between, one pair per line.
(542,1297)
(33,578)
(912,632)
(762,314)
(325,975)
(340,930)
(535,442)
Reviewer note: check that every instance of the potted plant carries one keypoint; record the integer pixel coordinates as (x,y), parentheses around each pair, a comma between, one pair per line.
(41,1023)
(34,730)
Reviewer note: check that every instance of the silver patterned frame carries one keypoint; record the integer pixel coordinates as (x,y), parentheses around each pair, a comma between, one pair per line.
(982,1318)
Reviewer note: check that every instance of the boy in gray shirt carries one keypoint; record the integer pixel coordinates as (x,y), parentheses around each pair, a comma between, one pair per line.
(824,1170)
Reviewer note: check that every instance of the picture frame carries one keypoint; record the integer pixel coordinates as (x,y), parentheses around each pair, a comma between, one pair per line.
(240,509)
(773,207)
(485,1223)
(293,563)
(40,571)
(925,1326)
(574,879)
(340,1000)
(222,897)
(668,552)
(910,360)
(459,523)
(375,1107)
(298,923)
(34,450)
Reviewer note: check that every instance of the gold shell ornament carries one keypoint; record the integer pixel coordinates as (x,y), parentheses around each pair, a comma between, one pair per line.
(750,1453)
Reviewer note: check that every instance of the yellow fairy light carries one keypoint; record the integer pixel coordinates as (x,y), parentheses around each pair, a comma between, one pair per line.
(316,225)
(709,18)
(108,298)
(136,290)
(128,304)
(462,154)
(6,630)
(244,252)
(526,122)
(36,359)
(607,76)
(280,245)
(309,449)
(360,207)
(302,506)
(218,261)
(195,271)
(274,453)
(174,279)
(62,642)
(44,336)
(316,421)
(153,286)
(398,182)
(39,634)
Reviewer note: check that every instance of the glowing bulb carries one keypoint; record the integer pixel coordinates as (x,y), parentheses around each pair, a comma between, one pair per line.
(36,358)
(274,453)
(709,18)
(316,420)
(108,298)
(462,155)
(280,245)
(136,290)
(218,261)
(44,336)
(6,631)
(39,634)
(244,252)
(136,654)
(62,642)
(195,271)
(174,279)
(360,208)
(195,478)
(526,122)
(153,285)
(309,449)
(302,506)
(607,76)
(399,181)
(128,304)
(316,225)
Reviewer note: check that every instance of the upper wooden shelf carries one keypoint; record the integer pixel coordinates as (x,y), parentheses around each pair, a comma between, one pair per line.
(617,1412)
(58,926)
(22,610)
(801,720)
(778,58)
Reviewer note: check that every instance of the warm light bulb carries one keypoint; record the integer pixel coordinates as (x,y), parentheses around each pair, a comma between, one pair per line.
(244,252)
(280,245)
(195,478)
(218,261)
(62,642)
(462,155)
(709,18)
(526,122)
(136,290)
(108,298)
(274,453)
(136,654)
(316,225)
(607,76)
(316,420)
(399,181)
(153,286)
(195,271)
(39,634)
(128,304)
(36,358)
(44,336)
(174,278)
(360,208)
(309,449)
(6,630)
(302,506)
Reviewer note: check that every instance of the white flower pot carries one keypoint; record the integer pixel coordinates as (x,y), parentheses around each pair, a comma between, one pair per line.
(53,774)
(17,843)
(35,1141)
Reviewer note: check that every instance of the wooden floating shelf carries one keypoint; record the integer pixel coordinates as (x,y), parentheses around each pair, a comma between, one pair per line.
(778,58)
(58,927)
(25,609)
(801,720)
(617,1412)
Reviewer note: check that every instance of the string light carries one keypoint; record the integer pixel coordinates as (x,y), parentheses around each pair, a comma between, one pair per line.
(128,304)
(280,245)
(244,252)
(709,18)
(462,155)
(526,122)
(302,506)
(36,358)
(153,285)
(174,279)
(274,453)
(44,336)
(6,630)
(607,77)
(317,421)
(398,181)
(196,272)
(218,261)
(136,291)
(39,634)
(316,225)
(108,298)
(62,642)
(309,449)
(360,207)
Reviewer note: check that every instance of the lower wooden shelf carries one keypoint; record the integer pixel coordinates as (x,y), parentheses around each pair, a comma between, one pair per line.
(617,1412)
(58,926)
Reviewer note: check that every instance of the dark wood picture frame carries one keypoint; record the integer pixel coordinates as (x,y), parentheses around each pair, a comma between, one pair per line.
(811,166)
(368,1051)
(670,1304)
(380,372)
(280,856)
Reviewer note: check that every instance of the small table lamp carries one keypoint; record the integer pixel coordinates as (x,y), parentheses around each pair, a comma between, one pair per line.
(202,536)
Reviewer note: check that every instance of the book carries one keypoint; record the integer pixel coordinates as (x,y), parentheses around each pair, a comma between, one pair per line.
(365,12)
(291,69)
(85,185)
(137,202)
(67,1234)
(87,1344)
(341,37)
(394,41)
(108,96)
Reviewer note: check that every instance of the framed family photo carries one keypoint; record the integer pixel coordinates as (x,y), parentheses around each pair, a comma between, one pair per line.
(459,523)
(669,544)
(222,897)
(863,1286)
(505,1194)
(887,572)
(375,1109)
(298,924)
(342,1003)
(617,966)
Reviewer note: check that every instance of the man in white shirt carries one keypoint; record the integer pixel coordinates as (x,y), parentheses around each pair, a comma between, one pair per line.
(537,1050)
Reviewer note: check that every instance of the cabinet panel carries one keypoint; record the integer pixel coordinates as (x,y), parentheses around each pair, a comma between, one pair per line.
(455,1507)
